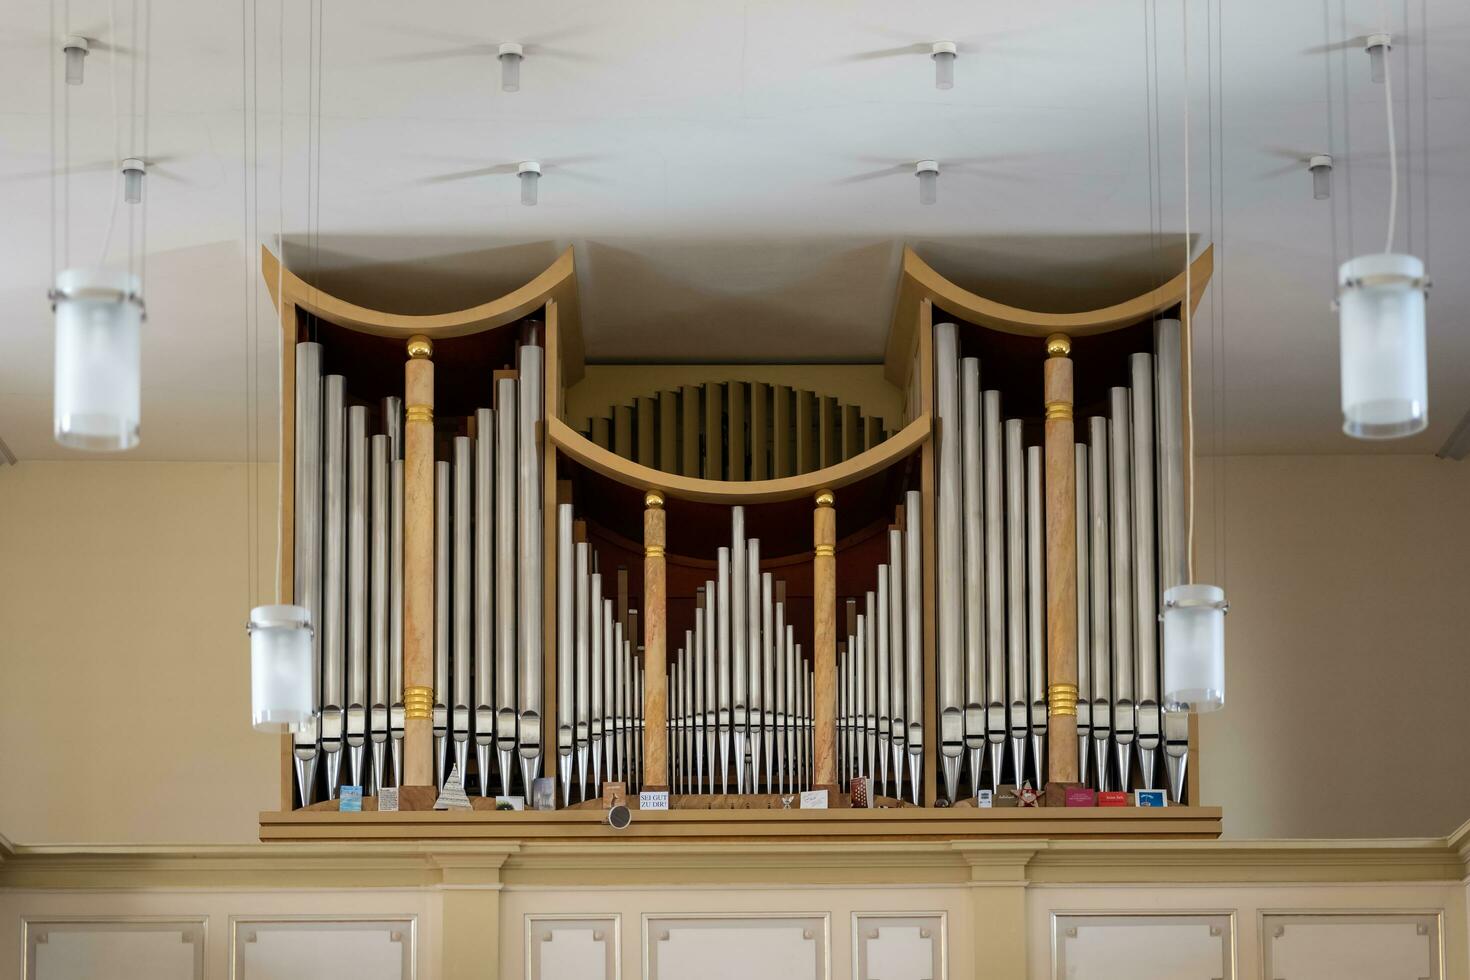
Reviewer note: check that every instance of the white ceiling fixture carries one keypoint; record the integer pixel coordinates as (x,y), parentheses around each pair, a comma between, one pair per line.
(75,47)
(529,173)
(928,173)
(133,170)
(511,55)
(944,54)
(1384,362)
(1320,167)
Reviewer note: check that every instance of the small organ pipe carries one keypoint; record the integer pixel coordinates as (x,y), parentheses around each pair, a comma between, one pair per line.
(566,670)
(913,578)
(483,702)
(1100,554)
(1084,605)
(443,484)
(971,410)
(507,487)
(996,724)
(1036,608)
(378,607)
(461,608)
(334,572)
(1121,533)
(1015,511)
(357,588)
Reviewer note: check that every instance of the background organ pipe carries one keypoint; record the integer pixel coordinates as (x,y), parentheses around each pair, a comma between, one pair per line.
(461,638)
(971,411)
(1174,555)
(583,656)
(395,617)
(1015,511)
(609,694)
(529,546)
(566,670)
(996,723)
(506,691)
(307,565)
(768,691)
(357,588)
(711,678)
(1100,553)
(483,703)
(755,616)
(443,483)
(880,670)
(1084,579)
(378,608)
(1036,608)
(334,576)
(739,637)
(779,690)
(948,545)
(1121,532)
(699,703)
(913,579)
(722,660)
(1146,615)
(897,668)
(594,678)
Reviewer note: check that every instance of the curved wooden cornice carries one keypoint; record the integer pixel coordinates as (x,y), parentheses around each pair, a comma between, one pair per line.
(632,474)
(918,281)
(558,282)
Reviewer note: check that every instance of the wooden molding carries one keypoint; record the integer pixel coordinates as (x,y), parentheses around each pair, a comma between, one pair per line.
(630,473)
(919,282)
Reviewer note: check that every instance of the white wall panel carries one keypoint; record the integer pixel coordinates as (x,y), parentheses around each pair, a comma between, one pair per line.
(1143,946)
(122,948)
(736,947)
(573,947)
(1351,947)
(899,946)
(312,948)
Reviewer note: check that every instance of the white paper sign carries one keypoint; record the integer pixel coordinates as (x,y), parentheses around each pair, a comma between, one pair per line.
(814,799)
(985,799)
(388,799)
(653,800)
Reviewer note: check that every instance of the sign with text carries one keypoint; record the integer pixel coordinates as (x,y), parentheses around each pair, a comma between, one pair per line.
(653,800)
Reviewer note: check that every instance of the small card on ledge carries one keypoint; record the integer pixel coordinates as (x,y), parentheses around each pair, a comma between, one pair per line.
(1115,797)
(351,800)
(814,799)
(1149,797)
(388,799)
(651,799)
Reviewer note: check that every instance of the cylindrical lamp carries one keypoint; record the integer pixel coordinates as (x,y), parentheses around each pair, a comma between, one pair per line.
(132,171)
(75,47)
(1194,648)
(1320,166)
(530,174)
(944,54)
(510,66)
(99,316)
(1385,387)
(1378,46)
(928,174)
(282,682)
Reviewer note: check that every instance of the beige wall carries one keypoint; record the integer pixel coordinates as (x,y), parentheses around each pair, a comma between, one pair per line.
(127,582)
(1348,654)
(125,699)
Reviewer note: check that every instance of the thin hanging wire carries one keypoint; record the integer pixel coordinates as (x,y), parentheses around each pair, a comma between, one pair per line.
(1332,147)
(1347,131)
(112,38)
(146,56)
(66,159)
(249,63)
(51,105)
(1393,156)
(1217,292)
(1188,309)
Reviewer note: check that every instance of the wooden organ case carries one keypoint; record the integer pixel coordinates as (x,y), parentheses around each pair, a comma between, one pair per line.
(735,590)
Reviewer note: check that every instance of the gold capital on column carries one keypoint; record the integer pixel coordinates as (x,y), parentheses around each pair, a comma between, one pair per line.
(420,348)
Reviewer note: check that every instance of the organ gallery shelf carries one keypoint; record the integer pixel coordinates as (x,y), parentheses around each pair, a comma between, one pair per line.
(499,592)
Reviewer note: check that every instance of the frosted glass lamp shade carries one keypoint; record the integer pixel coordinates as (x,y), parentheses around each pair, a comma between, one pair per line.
(944,69)
(75,49)
(99,318)
(1321,170)
(928,174)
(282,695)
(1378,46)
(510,55)
(132,171)
(1385,386)
(1194,648)
(530,175)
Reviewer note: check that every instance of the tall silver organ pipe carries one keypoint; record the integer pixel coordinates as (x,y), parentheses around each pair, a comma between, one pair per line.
(1015,511)
(779,691)
(948,544)
(739,637)
(594,678)
(880,670)
(1100,554)
(583,657)
(611,641)
(506,690)
(357,586)
(1119,448)
(972,411)
(722,659)
(913,630)
(1145,597)
(380,698)
(755,614)
(768,680)
(443,484)
(395,615)
(617,679)
(897,668)
(996,723)
(308,561)
(1036,609)
(870,680)
(461,640)
(529,548)
(860,694)
(712,699)
(334,581)
(484,592)
(1173,546)
(1084,654)
(566,671)
(699,699)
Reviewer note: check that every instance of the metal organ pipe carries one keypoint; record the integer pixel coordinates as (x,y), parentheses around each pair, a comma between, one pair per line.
(334,570)
(996,723)
(443,483)
(506,691)
(880,670)
(1015,511)
(1084,580)
(378,607)
(1121,532)
(1173,547)
(948,545)
(566,671)
(461,638)
(357,585)
(897,668)
(739,636)
(584,625)
(529,548)
(484,592)
(395,617)
(1146,613)
(754,616)
(768,716)
(913,578)
(1100,555)
(308,561)
(971,411)
(1036,608)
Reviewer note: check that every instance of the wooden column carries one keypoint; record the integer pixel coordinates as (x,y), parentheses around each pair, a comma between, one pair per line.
(655,629)
(1061,564)
(824,642)
(418,564)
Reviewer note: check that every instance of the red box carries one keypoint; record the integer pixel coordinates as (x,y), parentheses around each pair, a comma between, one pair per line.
(1081,796)
(1112,798)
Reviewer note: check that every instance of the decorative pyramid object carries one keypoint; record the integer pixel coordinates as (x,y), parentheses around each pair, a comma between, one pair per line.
(452,796)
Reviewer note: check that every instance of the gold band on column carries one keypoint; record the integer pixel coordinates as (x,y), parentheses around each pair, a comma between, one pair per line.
(1061,699)
(1059,411)
(418,702)
(419,413)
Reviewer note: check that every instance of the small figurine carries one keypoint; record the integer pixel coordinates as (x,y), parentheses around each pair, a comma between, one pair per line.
(1029,796)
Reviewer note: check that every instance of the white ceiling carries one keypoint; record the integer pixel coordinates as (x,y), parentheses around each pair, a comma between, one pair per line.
(737,181)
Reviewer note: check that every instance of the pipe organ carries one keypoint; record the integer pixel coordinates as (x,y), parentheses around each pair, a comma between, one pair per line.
(734,592)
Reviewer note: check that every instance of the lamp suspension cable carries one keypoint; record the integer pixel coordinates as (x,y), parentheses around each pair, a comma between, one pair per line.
(1393,156)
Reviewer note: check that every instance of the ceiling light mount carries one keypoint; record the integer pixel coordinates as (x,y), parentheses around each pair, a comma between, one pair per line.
(510,55)
(1319,165)
(928,173)
(1378,46)
(529,173)
(75,47)
(944,54)
(133,170)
